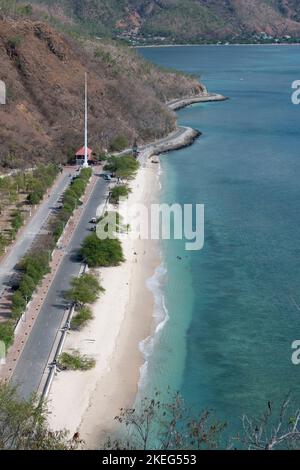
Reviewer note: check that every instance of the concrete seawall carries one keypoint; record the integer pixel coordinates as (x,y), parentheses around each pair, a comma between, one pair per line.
(175,105)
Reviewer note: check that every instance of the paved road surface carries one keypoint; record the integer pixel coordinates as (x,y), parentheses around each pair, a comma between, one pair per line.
(29,233)
(34,358)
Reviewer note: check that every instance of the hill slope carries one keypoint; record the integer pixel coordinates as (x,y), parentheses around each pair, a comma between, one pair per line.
(44,74)
(183,20)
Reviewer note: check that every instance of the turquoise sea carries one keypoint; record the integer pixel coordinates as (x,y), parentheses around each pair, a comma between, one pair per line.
(231,311)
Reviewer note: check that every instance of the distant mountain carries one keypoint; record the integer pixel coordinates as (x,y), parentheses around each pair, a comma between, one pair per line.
(183,20)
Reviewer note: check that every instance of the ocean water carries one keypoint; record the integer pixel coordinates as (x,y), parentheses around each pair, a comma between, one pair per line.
(231,311)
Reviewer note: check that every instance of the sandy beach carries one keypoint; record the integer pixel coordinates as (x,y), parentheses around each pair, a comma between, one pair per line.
(87,402)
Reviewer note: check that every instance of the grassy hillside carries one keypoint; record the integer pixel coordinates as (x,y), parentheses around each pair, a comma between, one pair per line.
(44,73)
(179,20)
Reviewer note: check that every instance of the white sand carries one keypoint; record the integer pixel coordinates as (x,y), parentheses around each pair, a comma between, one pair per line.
(88,401)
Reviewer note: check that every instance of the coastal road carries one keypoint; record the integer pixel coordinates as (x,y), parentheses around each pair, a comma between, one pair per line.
(29,232)
(34,358)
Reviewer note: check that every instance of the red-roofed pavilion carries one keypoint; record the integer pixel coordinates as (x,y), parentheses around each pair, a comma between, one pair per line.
(80,155)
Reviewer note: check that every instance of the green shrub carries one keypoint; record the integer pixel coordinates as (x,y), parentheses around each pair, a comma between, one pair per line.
(7,333)
(84,289)
(27,286)
(102,157)
(25,10)
(34,197)
(42,178)
(69,208)
(18,305)
(75,361)
(114,218)
(82,317)
(70,200)
(123,167)
(36,265)
(77,187)
(104,253)
(57,230)
(16,220)
(86,173)
(118,192)
(33,268)
(119,143)
(15,42)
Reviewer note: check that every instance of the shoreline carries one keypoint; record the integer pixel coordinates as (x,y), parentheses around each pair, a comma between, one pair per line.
(87,402)
(219,45)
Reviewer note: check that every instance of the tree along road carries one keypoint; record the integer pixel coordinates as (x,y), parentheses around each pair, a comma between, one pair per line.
(34,358)
(29,232)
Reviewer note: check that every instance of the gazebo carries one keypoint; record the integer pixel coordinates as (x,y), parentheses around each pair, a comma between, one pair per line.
(80,156)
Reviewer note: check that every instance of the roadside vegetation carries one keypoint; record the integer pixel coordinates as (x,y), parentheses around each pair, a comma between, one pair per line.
(117,226)
(118,192)
(102,157)
(102,253)
(71,200)
(32,268)
(75,361)
(36,263)
(124,167)
(85,289)
(18,192)
(82,317)
(42,179)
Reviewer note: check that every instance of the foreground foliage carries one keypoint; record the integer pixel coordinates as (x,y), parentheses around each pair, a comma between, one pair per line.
(23,425)
(153,424)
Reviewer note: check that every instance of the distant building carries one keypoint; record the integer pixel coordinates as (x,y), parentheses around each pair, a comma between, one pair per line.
(79,156)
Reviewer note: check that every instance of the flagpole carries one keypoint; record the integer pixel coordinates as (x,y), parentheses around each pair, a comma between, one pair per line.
(86,163)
